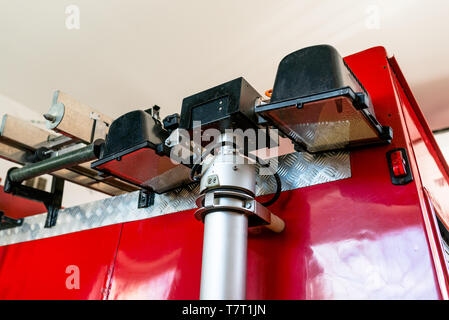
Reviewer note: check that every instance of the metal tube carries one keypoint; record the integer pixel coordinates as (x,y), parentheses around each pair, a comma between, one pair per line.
(66,160)
(223,271)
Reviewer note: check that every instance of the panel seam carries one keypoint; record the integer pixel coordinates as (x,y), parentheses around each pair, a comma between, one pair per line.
(110,274)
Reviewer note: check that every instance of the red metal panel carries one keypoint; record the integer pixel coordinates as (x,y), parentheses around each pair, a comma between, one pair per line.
(159,258)
(37,269)
(336,245)
(432,177)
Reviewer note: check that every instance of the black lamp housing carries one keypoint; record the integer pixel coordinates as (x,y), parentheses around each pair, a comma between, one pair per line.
(135,151)
(320,105)
(227,106)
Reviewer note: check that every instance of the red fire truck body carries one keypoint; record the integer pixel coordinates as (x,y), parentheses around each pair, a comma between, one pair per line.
(357,238)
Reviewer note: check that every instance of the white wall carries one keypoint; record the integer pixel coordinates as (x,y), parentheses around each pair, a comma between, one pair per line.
(133,54)
(443,142)
(73,194)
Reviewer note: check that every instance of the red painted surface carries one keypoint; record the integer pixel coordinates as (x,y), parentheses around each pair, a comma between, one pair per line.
(159,258)
(361,237)
(433,179)
(16,207)
(38,269)
(128,167)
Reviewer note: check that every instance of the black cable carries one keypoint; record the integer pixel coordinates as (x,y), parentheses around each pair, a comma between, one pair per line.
(277,194)
(193,171)
(278,191)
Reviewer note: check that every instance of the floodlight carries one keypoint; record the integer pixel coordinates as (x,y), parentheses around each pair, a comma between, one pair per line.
(320,105)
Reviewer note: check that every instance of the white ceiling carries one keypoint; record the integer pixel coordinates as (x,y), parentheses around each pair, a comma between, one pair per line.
(133,54)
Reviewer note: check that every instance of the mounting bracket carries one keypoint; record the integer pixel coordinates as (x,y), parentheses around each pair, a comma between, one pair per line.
(146,198)
(8,223)
(52,200)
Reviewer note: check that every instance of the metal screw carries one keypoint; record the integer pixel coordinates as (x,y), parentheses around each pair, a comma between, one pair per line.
(212,180)
(49,117)
(248,205)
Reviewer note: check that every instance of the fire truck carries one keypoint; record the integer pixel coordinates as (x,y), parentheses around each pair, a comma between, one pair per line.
(331,186)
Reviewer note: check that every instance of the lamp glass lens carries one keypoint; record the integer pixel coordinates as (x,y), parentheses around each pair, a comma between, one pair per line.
(138,167)
(324,125)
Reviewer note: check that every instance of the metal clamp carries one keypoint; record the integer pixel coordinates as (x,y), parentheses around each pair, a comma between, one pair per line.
(257,214)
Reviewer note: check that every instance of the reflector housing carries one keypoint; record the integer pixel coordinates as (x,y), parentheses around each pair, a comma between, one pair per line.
(138,165)
(320,105)
(134,150)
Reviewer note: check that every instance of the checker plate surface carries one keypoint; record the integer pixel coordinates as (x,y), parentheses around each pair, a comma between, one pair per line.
(296,170)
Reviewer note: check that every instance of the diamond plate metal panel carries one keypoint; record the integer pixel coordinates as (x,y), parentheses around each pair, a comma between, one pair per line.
(296,170)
